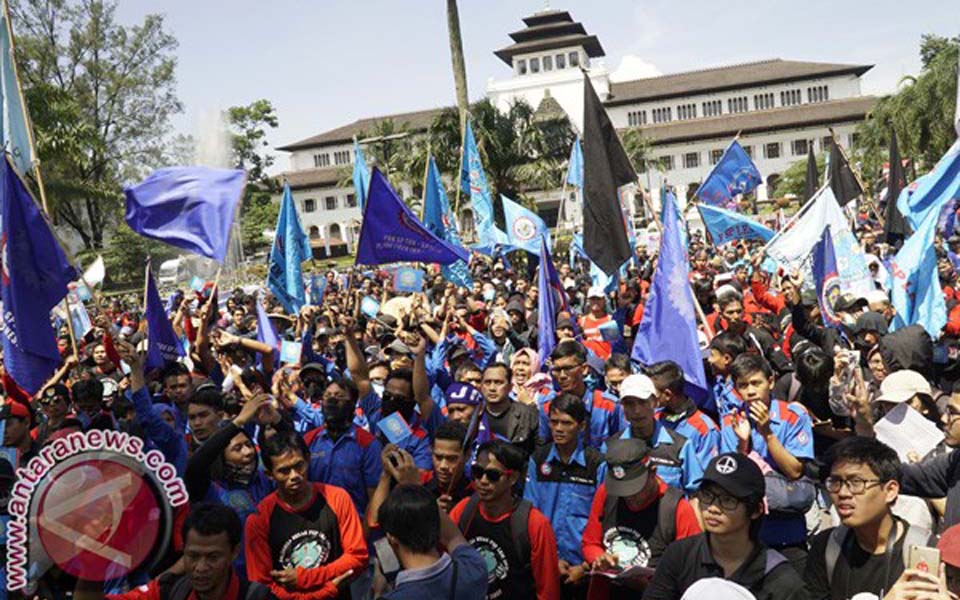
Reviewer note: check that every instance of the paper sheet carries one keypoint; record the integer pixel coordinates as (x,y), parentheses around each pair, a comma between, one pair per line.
(906,430)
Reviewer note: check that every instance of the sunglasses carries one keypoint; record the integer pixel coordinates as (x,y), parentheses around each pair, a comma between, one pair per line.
(492,475)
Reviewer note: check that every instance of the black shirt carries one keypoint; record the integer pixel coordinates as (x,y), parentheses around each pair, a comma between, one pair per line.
(689,560)
(856,570)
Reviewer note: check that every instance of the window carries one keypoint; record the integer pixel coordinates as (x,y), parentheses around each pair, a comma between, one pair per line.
(321,160)
(341,157)
(737,105)
(663,115)
(309,205)
(636,118)
(666,163)
(790,98)
(799,147)
(574,59)
(748,150)
(712,108)
(715,156)
(825,142)
(330,202)
(687,111)
(691,160)
(818,94)
(763,101)
(547,63)
(521,66)
(534,65)
(351,200)
(314,232)
(561,61)
(771,150)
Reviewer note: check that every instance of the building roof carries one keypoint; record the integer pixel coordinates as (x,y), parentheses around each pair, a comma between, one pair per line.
(310,178)
(727,126)
(415,122)
(548,30)
(724,78)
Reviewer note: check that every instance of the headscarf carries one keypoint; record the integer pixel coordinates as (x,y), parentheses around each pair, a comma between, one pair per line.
(537,380)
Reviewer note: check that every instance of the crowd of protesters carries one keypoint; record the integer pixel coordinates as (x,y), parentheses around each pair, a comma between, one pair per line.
(576,475)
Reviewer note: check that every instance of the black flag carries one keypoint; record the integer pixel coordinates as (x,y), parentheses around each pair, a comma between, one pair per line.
(813,176)
(842,180)
(605,168)
(895,227)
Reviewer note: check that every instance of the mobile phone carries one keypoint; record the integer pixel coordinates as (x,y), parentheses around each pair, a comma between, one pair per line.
(385,555)
(924,559)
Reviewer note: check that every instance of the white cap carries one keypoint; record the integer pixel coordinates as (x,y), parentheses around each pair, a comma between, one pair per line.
(638,386)
(900,386)
(595,292)
(717,589)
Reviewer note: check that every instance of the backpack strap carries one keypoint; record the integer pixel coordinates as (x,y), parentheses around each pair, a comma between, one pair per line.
(520,530)
(832,551)
(667,514)
(469,511)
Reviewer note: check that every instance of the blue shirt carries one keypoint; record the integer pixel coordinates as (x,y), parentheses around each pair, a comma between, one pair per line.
(435,581)
(685,477)
(166,439)
(565,503)
(698,428)
(351,462)
(606,416)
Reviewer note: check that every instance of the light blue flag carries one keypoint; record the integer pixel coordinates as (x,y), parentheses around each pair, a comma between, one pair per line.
(669,202)
(726,226)
(734,174)
(361,175)
(524,227)
(291,246)
(575,167)
(15,132)
(473,181)
(439,220)
(932,192)
(668,330)
(576,249)
(266,334)
(915,290)
(499,244)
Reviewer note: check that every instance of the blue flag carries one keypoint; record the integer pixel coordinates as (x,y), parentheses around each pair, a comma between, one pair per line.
(668,330)
(915,291)
(734,174)
(524,227)
(15,133)
(576,249)
(575,167)
(497,244)
(547,281)
(473,181)
(391,233)
(827,278)
(33,278)
(191,208)
(439,220)
(318,285)
(291,246)
(933,191)
(361,175)
(266,334)
(669,203)
(163,345)
(726,226)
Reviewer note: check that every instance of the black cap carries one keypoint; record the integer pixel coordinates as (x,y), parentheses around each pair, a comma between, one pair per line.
(737,474)
(57,389)
(848,302)
(627,472)
(313,367)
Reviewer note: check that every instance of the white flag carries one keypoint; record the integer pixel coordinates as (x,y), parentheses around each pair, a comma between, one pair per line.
(95,273)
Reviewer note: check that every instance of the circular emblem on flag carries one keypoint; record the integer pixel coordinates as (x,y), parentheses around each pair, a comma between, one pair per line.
(546,469)
(98,516)
(618,472)
(4,270)
(524,229)
(830,293)
(726,465)
(407,278)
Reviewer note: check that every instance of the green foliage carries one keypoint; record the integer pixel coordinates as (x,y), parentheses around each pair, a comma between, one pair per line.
(638,150)
(248,131)
(921,112)
(101,95)
(257,214)
(794,179)
(126,255)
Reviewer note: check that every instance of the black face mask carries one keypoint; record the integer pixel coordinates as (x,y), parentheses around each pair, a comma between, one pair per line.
(392,403)
(313,388)
(338,415)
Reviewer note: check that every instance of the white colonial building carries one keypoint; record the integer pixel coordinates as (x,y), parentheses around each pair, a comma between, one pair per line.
(780,108)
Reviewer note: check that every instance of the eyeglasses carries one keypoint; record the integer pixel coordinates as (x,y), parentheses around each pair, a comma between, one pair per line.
(854,484)
(724,501)
(561,370)
(492,475)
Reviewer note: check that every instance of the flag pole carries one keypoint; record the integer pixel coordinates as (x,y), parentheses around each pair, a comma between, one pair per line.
(73,334)
(866,191)
(459,176)
(796,216)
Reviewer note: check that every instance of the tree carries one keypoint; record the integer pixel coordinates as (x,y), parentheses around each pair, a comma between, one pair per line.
(921,112)
(248,140)
(101,95)
(794,179)
(638,150)
(456,57)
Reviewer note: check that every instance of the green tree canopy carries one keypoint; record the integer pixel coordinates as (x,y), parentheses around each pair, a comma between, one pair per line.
(248,136)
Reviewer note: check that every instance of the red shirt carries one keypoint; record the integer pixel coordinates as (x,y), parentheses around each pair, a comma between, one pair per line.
(151,591)
(592,338)
(544,561)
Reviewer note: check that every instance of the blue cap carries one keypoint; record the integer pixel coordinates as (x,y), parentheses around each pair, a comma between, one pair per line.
(463,393)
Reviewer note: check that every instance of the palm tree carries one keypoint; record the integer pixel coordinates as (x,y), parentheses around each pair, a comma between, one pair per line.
(456,57)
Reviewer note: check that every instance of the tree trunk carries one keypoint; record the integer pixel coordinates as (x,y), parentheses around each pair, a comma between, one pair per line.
(456,56)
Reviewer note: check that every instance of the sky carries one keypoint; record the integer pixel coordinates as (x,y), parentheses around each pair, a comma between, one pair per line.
(326,63)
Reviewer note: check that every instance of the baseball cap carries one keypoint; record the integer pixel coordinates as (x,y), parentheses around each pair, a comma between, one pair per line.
(949,546)
(627,473)
(848,302)
(638,386)
(595,292)
(717,588)
(398,347)
(463,393)
(808,297)
(737,474)
(313,367)
(564,324)
(900,386)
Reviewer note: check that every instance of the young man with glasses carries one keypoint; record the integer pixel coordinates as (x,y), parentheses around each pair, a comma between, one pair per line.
(731,502)
(514,538)
(569,369)
(865,554)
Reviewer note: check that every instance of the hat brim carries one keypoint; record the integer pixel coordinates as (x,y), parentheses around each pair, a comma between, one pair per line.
(740,492)
(623,488)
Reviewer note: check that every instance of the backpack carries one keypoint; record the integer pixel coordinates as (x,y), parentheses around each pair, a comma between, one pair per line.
(177,587)
(914,536)
(519,529)
(666,512)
